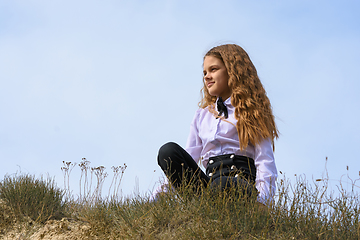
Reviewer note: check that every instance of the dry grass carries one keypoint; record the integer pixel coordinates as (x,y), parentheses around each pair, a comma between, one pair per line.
(26,196)
(302,210)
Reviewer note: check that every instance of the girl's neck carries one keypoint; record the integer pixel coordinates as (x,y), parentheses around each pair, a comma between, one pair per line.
(224,98)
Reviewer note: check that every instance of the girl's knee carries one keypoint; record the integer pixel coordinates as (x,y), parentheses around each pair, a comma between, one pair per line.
(168,148)
(166,151)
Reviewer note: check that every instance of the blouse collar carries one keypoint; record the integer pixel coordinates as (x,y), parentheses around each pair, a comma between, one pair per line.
(227,101)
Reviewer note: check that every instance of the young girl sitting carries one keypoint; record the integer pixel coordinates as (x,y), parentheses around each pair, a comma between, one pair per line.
(232,132)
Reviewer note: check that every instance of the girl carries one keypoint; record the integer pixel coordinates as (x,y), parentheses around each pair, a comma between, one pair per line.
(232,132)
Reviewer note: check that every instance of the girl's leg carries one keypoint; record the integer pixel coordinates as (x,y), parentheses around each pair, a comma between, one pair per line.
(180,167)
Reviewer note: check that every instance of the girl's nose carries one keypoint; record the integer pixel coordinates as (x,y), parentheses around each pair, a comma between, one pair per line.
(207,76)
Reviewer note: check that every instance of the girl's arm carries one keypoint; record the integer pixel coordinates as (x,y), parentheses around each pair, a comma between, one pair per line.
(194,143)
(266,172)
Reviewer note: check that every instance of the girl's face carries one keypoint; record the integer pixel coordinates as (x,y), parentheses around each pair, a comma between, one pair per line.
(216,77)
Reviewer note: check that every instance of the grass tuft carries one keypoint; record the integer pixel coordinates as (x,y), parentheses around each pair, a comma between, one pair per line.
(27,196)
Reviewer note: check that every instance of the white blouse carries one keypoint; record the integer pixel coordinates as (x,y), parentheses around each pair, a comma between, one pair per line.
(210,136)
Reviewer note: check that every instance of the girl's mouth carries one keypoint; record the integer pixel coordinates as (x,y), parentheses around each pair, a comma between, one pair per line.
(209,84)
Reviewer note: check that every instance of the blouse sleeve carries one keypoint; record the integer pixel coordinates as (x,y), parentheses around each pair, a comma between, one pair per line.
(194,143)
(160,189)
(266,172)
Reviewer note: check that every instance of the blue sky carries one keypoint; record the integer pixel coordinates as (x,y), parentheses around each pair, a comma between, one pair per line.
(112,81)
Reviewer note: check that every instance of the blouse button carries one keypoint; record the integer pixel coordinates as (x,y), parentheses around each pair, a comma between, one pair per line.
(232,156)
(211,161)
(236,175)
(233,167)
(210,174)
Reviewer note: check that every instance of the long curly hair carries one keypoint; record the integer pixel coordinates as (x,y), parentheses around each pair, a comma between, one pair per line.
(253,111)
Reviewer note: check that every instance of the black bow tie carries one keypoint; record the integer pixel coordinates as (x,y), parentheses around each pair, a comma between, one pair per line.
(222,109)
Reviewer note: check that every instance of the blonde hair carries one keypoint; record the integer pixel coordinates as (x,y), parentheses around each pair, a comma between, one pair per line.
(253,112)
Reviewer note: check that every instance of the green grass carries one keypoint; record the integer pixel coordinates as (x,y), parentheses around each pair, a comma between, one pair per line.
(300,210)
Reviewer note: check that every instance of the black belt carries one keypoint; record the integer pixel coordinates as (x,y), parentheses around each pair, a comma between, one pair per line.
(231,165)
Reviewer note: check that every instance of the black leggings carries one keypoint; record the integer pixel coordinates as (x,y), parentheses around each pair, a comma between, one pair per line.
(180,168)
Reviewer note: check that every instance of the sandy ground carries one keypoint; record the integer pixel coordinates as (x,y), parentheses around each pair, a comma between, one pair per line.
(53,229)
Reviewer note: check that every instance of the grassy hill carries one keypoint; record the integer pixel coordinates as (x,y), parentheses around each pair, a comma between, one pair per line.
(34,208)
